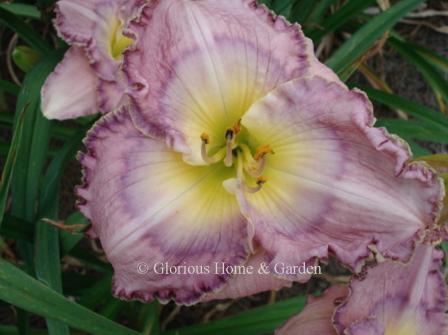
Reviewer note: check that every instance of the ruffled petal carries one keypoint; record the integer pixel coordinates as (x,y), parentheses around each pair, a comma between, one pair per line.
(199,66)
(246,284)
(398,299)
(152,211)
(110,95)
(316,317)
(70,90)
(108,39)
(75,20)
(98,25)
(334,183)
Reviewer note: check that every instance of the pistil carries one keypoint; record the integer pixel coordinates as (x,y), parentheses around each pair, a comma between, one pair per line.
(260,182)
(247,166)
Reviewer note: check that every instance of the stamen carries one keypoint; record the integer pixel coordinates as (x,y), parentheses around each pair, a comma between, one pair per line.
(228,161)
(210,159)
(260,182)
(205,138)
(253,167)
(262,151)
(237,127)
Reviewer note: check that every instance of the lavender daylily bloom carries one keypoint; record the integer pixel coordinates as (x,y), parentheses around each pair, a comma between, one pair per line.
(89,79)
(316,317)
(398,299)
(237,143)
(393,299)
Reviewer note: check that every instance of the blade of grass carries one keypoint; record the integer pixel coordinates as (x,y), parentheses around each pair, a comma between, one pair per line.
(25,31)
(414,129)
(26,179)
(21,9)
(319,10)
(17,229)
(47,259)
(432,57)
(301,10)
(32,152)
(97,293)
(12,330)
(438,84)
(9,87)
(20,289)
(8,168)
(282,7)
(113,308)
(435,119)
(48,266)
(70,240)
(366,36)
(149,319)
(338,19)
(260,320)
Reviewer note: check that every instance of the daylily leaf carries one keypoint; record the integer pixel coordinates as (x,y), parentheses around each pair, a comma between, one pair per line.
(20,289)
(21,9)
(338,19)
(431,117)
(430,56)
(9,87)
(438,84)
(259,320)
(25,31)
(8,169)
(364,38)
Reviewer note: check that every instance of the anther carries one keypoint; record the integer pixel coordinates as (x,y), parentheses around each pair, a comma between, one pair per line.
(228,160)
(229,134)
(205,138)
(237,127)
(255,167)
(262,151)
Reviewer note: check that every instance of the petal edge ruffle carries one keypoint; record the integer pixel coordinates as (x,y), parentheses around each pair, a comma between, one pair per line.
(149,208)
(329,166)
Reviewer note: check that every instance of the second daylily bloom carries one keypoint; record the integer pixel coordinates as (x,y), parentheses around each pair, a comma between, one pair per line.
(88,79)
(317,316)
(398,299)
(393,299)
(238,139)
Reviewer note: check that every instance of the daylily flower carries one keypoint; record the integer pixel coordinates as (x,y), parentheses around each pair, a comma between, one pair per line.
(237,140)
(393,299)
(88,79)
(316,317)
(398,299)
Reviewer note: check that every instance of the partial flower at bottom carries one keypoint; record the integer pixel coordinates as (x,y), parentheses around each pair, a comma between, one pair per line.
(393,299)
(398,299)
(316,317)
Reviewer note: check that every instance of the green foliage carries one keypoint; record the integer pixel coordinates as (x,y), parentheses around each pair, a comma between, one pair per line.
(259,320)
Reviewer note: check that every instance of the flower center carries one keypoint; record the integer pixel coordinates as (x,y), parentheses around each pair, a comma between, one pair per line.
(249,166)
(117,41)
